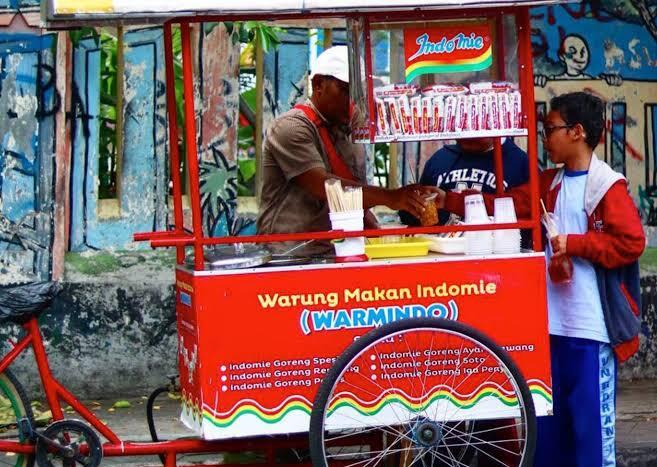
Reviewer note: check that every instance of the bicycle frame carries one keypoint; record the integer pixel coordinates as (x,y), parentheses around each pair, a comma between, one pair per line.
(55,392)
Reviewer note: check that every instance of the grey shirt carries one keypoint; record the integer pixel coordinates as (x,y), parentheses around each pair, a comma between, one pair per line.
(292,147)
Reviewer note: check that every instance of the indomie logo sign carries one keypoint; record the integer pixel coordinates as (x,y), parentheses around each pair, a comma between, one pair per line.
(448,49)
(459,42)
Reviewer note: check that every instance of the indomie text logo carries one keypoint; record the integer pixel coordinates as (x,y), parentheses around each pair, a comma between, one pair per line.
(458,42)
(447,49)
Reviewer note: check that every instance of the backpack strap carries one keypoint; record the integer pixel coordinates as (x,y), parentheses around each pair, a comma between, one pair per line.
(338,166)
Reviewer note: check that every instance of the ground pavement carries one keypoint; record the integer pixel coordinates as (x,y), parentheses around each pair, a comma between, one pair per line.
(636,426)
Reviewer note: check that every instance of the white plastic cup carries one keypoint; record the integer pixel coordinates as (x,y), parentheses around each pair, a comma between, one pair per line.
(475,210)
(505,211)
(479,242)
(506,241)
(349,221)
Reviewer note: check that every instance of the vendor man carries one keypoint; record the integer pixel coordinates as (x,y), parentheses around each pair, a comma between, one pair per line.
(311,143)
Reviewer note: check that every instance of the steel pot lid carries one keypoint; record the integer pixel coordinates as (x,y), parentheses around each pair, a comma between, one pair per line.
(235,256)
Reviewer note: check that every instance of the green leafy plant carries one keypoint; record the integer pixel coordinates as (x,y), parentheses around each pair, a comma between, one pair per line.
(381,163)
(108,115)
(248,32)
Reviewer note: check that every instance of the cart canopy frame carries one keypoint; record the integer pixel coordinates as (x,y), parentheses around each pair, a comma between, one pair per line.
(95,11)
(195,11)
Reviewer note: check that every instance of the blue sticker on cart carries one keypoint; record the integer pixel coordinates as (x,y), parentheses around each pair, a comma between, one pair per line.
(185,298)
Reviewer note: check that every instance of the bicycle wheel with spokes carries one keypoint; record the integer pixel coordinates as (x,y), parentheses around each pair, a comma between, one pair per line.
(407,394)
(14,406)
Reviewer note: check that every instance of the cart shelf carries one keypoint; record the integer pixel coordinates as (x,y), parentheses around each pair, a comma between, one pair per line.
(521,132)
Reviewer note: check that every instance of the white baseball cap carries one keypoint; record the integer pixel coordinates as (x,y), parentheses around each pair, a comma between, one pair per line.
(333,62)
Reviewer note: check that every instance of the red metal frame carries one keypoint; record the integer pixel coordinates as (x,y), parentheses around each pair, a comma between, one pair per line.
(172,114)
(191,143)
(197,239)
(501,70)
(368,76)
(526,76)
(55,393)
(166,241)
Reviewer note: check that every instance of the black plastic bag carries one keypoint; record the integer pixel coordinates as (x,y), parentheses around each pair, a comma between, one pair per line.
(21,301)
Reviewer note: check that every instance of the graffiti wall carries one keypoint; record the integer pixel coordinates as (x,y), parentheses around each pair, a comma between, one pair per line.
(142,204)
(608,48)
(218,88)
(16,5)
(29,102)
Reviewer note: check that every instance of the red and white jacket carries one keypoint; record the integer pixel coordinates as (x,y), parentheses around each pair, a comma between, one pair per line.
(613,243)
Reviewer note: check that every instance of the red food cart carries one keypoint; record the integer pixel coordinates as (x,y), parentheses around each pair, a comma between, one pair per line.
(392,361)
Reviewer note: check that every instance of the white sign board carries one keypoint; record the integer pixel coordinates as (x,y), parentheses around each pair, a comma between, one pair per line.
(68,9)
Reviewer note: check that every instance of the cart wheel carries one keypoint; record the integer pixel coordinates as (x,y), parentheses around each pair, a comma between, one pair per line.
(69,443)
(14,407)
(406,394)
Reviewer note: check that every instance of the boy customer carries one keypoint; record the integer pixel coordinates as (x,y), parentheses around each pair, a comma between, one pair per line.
(593,319)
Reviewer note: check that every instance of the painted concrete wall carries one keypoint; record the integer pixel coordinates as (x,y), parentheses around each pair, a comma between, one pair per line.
(143,180)
(142,207)
(218,89)
(29,102)
(609,49)
(111,332)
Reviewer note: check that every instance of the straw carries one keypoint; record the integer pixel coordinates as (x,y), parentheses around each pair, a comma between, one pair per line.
(549,222)
(411,173)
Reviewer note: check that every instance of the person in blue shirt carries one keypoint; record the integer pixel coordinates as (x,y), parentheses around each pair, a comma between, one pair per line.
(469,165)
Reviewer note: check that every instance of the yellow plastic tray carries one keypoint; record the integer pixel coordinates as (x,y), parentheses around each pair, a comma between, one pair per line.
(410,246)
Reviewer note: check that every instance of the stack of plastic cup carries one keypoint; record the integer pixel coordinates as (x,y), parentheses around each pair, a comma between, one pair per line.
(506,241)
(478,242)
(349,221)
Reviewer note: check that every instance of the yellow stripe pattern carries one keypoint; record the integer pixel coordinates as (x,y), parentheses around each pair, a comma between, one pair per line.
(294,404)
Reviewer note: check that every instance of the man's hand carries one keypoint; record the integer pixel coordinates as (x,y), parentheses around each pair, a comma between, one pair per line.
(440,199)
(411,198)
(559,243)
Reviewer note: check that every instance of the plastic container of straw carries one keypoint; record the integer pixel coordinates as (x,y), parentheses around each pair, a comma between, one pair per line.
(346,213)
(348,221)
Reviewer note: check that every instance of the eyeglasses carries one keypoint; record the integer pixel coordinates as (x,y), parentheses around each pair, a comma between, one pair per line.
(546,131)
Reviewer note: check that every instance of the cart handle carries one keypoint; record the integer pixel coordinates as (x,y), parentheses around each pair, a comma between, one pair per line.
(173,238)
